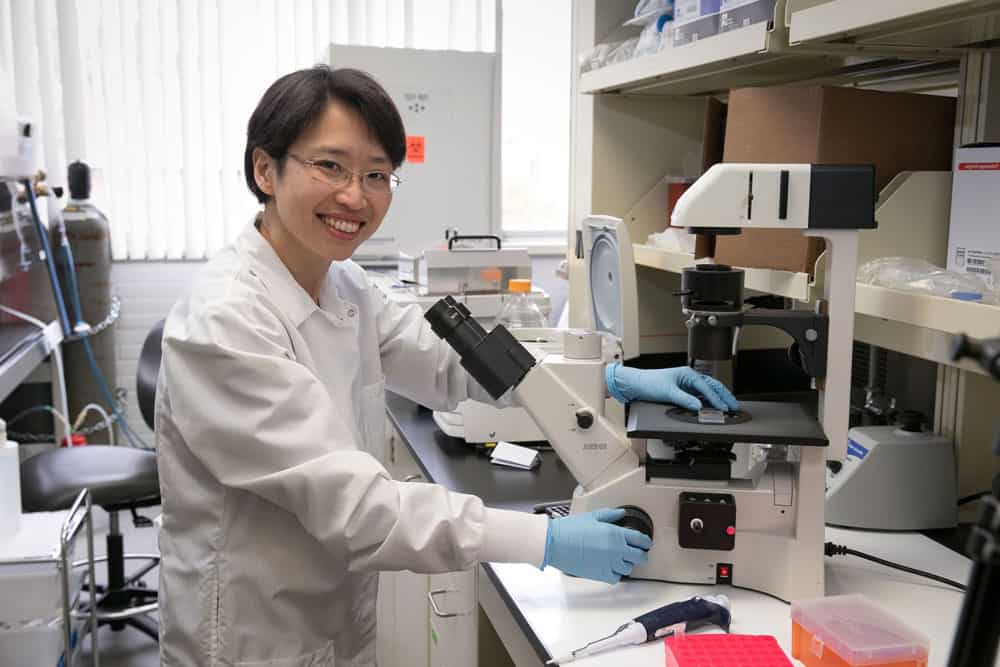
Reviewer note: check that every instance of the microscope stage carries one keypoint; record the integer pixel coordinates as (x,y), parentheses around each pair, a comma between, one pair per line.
(770,423)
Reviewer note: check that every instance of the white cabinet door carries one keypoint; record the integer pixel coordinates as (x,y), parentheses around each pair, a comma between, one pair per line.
(403,630)
(453,619)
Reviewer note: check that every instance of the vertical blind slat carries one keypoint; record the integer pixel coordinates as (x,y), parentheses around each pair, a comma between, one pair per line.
(193,175)
(151,88)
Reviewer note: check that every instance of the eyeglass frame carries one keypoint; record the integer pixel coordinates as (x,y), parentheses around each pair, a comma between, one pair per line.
(394,180)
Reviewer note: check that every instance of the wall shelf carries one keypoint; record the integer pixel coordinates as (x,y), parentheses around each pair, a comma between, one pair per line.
(927,24)
(788,284)
(817,41)
(748,56)
(950,316)
(947,316)
(22,348)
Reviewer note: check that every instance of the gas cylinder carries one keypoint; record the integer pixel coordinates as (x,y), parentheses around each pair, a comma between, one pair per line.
(89,236)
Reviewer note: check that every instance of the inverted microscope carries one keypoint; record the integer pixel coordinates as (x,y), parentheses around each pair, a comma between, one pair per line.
(758,521)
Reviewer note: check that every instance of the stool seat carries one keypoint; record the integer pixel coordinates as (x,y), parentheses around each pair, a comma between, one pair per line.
(118,478)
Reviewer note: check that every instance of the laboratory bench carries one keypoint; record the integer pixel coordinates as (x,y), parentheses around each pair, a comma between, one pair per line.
(541,614)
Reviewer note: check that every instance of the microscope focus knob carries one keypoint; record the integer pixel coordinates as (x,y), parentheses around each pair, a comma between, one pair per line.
(584,418)
(636,519)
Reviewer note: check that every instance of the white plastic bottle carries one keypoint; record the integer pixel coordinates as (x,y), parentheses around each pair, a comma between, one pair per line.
(518,310)
(10,486)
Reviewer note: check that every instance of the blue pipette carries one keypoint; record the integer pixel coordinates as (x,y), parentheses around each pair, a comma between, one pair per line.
(688,614)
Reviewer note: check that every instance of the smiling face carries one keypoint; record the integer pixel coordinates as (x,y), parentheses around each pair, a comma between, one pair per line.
(309,221)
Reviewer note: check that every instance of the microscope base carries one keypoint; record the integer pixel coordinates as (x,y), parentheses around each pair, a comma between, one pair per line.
(777,549)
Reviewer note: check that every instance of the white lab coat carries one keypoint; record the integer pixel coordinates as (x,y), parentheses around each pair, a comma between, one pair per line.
(277,516)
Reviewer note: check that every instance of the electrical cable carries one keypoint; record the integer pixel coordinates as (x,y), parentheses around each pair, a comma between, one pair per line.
(973,497)
(831,549)
(43,408)
(23,316)
(56,359)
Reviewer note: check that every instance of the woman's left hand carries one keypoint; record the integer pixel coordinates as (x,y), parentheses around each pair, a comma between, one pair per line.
(680,386)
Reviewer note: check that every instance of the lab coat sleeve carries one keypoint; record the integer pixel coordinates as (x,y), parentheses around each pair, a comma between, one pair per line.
(418,364)
(262,423)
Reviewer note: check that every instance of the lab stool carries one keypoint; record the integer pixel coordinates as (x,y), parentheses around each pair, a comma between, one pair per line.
(118,478)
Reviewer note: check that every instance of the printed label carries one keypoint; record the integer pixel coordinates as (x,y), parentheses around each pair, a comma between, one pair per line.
(979,166)
(978,262)
(856,449)
(415,148)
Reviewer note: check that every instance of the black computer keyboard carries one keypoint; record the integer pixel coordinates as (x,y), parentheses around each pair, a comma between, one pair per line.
(555,510)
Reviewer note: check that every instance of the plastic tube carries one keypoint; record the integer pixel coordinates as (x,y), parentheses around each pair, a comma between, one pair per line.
(108,421)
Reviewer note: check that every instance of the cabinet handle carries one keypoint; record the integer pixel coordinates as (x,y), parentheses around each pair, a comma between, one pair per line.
(411,478)
(437,611)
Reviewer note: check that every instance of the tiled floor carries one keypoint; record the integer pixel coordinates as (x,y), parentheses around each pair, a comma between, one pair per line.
(128,648)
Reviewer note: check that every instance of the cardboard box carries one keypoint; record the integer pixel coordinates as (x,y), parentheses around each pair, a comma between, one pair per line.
(828,125)
(974,232)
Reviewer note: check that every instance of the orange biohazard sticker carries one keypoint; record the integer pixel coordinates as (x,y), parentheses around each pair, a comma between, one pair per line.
(414,149)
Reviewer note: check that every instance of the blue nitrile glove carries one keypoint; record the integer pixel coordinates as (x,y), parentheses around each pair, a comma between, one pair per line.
(668,385)
(590,545)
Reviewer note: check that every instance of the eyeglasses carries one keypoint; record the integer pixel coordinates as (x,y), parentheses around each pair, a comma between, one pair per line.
(336,175)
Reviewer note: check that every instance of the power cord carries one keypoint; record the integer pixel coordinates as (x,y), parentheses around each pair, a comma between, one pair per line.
(973,498)
(831,549)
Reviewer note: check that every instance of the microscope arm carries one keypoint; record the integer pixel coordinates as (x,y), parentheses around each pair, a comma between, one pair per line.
(564,393)
(565,397)
(808,329)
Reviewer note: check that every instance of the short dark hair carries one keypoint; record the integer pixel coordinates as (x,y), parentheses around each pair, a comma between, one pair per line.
(295,101)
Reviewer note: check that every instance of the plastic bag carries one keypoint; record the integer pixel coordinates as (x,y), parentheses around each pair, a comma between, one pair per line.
(653,8)
(653,35)
(918,275)
(624,51)
(673,239)
(649,40)
(597,57)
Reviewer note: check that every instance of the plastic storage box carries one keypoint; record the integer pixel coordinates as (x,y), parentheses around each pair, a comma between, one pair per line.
(33,590)
(849,630)
(741,13)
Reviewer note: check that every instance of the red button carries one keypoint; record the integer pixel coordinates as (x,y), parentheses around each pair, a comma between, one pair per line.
(730,531)
(723,572)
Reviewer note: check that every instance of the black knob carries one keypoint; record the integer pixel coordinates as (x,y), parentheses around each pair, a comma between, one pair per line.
(584,419)
(961,347)
(78,177)
(835,466)
(911,421)
(636,519)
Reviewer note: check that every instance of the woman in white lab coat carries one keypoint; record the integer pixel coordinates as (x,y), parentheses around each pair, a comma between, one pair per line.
(277,515)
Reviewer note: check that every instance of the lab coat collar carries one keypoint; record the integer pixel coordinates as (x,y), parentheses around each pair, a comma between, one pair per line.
(296,303)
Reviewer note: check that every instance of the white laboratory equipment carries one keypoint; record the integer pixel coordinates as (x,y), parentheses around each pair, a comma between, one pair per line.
(894,478)
(476,276)
(612,310)
(708,527)
(449,102)
(45,615)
